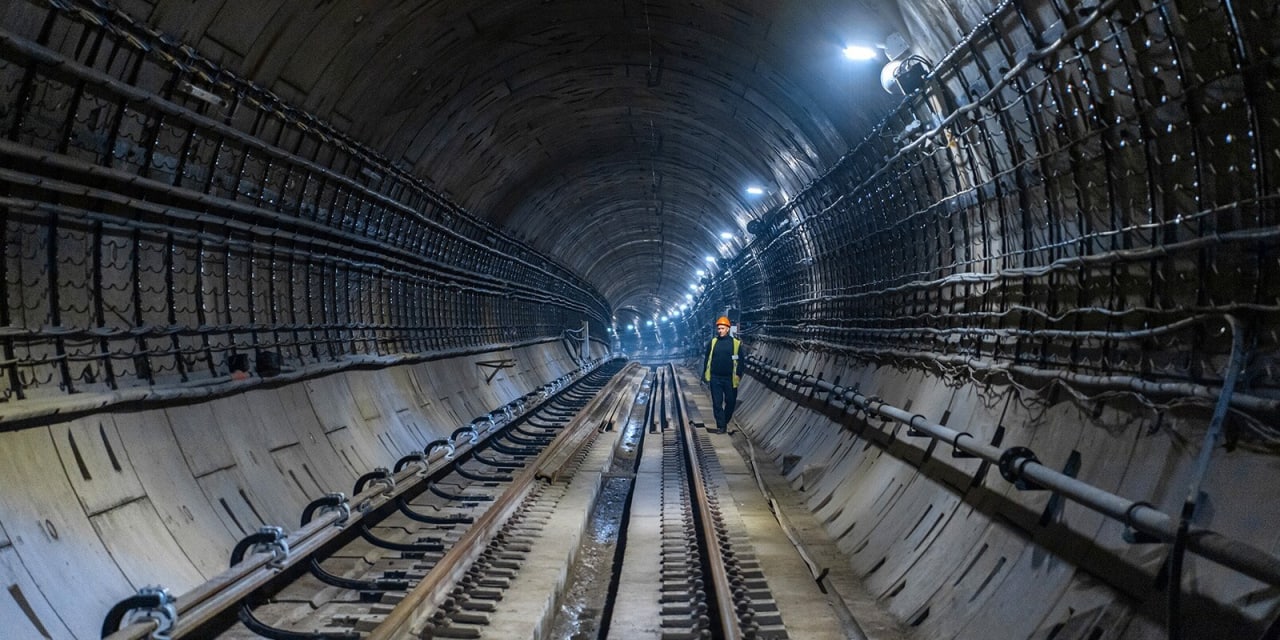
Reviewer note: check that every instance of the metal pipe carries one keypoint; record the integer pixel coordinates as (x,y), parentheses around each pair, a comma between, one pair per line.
(83,76)
(342,244)
(1247,402)
(1231,553)
(224,385)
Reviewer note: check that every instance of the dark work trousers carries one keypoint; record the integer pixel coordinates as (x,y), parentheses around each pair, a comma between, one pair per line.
(723,399)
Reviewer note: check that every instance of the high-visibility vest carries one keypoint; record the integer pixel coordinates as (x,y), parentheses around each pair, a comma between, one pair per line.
(706,375)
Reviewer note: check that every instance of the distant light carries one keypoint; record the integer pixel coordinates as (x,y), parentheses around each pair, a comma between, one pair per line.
(630,327)
(859,52)
(664,318)
(693,286)
(726,235)
(689,295)
(648,323)
(701,272)
(754,190)
(710,259)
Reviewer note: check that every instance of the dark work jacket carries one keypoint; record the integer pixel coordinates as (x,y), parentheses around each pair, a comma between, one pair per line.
(720,360)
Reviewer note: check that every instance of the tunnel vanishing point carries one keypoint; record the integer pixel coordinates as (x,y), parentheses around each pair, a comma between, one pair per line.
(1010,286)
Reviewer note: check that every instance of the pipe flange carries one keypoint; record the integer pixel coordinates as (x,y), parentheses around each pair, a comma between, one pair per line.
(871,411)
(1132,534)
(1011,463)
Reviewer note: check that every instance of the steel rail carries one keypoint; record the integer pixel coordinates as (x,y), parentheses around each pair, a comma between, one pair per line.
(210,599)
(1141,516)
(216,595)
(575,436)
(409,616)
(730,625)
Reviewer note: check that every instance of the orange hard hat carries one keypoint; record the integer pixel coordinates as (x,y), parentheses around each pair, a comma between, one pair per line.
(723,320)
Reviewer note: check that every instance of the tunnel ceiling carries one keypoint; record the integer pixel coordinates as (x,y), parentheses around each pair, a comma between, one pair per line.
(617,137)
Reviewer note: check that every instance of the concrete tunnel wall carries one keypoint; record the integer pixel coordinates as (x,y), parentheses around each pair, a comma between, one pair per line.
(955,551)
(991,209)
(1044,241)
(98,507)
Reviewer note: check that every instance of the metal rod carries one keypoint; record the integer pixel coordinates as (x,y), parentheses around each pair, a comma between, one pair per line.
(1231,553)
(730,626)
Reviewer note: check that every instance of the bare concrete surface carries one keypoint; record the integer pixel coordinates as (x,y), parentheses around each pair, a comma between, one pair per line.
(805,610)
(636,611)
(528,605)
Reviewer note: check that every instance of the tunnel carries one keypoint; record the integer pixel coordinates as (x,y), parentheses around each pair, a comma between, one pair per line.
(1006,272)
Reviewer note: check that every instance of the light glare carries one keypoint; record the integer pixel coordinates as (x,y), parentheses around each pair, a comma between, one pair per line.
(754,190)
(859,52)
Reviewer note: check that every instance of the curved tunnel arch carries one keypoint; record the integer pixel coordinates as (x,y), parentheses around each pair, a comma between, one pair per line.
(1051,245)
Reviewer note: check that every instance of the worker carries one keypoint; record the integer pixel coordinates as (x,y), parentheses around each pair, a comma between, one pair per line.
(721,373)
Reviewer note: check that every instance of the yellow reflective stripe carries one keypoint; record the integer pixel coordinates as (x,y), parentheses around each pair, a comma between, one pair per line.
(706,375)
(736,344)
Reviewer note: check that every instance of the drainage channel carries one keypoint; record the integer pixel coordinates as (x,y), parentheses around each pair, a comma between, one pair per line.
(504,580)
(646,569)
(586,605)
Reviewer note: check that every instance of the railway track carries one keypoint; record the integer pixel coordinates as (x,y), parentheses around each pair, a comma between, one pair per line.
(538,522)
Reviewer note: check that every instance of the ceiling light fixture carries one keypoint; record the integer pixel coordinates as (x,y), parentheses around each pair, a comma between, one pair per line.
(904,77)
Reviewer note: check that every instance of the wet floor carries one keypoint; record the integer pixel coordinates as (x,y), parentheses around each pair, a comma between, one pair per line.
(589,585)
